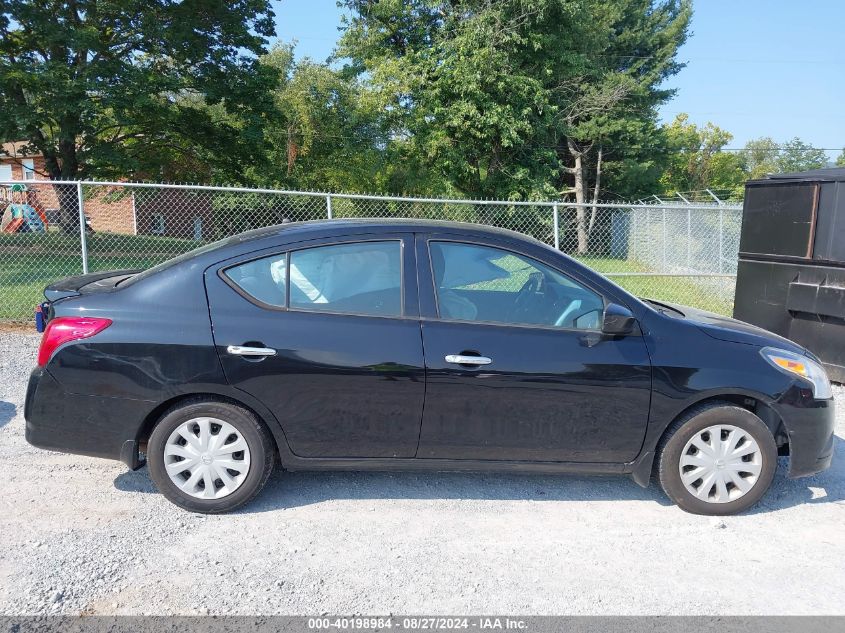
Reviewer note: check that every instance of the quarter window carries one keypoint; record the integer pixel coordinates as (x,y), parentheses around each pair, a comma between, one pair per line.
(481,283)
(361,278)
(262,279)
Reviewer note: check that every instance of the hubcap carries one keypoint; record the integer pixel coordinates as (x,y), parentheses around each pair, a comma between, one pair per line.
(720,464)
(206,458)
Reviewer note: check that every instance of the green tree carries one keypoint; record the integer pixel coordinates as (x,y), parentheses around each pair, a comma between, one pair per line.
(696,161)
(614,103)
(516,98)
(454,80)
(840,160)
(327,133)
(761,157)
(120,88)
(796,155)
(764,156)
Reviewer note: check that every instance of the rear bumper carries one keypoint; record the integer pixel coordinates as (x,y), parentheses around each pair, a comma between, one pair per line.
(84,425)
(809,424)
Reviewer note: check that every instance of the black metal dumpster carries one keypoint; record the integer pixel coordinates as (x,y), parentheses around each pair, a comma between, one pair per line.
(791,271)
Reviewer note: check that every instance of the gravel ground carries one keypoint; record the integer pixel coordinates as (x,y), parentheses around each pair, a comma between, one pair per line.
(83,535)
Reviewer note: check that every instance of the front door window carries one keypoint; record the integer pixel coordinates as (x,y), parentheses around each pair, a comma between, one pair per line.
(481,283)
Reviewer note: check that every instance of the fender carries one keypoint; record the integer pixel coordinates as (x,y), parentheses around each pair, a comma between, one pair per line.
(130,451)
(642,467)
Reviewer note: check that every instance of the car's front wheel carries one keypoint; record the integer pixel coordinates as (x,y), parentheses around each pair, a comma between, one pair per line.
(718,459)
(210,457)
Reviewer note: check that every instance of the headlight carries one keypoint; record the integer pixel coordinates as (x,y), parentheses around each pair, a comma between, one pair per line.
(798,365)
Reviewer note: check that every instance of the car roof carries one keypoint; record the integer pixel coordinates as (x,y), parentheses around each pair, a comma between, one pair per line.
(340,226)
(291,232)
(282,235)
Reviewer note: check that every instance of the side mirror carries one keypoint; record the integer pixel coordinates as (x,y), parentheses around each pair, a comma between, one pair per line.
(618,320)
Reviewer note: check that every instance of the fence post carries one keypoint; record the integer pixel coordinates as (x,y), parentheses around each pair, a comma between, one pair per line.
(557,227)
(329,206)
(665,264)
(134,216)
(83,239)
(721,238)
(689,239)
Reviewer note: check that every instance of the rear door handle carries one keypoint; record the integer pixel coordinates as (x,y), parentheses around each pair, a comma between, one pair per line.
(460,359)
(240,350)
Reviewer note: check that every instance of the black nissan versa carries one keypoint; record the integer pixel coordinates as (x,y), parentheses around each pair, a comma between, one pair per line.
(414,345)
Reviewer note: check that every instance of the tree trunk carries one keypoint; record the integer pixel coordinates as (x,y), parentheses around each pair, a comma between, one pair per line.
(68,208)
(62,164)
(580,211)
(596,191)
(581,228)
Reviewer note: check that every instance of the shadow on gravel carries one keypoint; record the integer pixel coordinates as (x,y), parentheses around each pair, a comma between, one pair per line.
(826,487)
(135,481)
(7,412)
(296,489)
(290,490)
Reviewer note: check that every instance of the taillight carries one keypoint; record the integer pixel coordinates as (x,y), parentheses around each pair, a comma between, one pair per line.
(62,330)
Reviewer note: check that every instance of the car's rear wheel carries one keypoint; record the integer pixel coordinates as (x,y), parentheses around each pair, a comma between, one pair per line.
(210,457)
(718,459)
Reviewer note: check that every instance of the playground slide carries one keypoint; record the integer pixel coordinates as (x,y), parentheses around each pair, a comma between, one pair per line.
(29,216)
(13,226)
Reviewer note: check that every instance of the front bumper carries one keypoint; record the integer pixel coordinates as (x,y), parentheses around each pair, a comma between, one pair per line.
(84,425)
(809,425)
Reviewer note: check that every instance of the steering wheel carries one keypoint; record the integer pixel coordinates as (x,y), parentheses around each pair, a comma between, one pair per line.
(527,295)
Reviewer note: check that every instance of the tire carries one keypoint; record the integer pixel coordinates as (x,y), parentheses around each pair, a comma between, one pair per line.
(745,479)
(244,457)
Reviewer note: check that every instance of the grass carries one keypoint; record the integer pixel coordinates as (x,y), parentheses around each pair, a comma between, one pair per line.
(713,294)
(31,261)
(708,293)
(97,243)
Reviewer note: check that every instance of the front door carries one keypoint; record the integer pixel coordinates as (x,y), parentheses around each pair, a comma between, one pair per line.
(517,368)
(327,336)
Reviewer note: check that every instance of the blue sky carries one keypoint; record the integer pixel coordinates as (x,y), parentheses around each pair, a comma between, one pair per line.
(755,68)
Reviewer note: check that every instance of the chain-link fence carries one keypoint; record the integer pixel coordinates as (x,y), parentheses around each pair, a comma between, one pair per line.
(684,253)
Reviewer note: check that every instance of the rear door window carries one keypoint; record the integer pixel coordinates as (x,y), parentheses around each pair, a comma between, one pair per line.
(359,278)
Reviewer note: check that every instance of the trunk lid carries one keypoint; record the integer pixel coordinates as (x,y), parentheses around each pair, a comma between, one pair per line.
(76,286)
(87,284)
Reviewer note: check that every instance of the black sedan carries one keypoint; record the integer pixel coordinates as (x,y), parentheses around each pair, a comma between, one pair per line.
(414,345)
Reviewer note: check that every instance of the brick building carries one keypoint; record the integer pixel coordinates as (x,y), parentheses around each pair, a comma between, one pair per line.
(123,210)
(108,210)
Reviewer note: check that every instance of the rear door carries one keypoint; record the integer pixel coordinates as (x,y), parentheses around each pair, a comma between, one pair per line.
(326,334)
(517,367)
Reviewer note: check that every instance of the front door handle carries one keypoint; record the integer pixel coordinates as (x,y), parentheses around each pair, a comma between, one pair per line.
(240,350)
(460,359)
